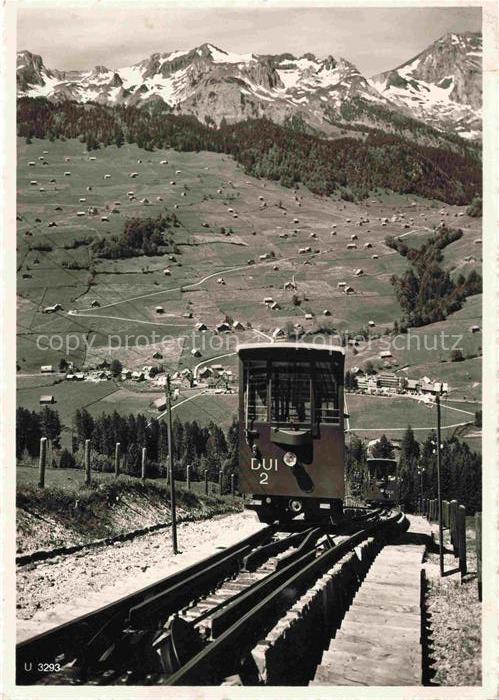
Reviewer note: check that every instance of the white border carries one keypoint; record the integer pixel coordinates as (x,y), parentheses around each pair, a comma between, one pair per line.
(489,688)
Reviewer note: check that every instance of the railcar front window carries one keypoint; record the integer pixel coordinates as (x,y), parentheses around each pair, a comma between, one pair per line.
(255,387)
(325,394)
(290,392)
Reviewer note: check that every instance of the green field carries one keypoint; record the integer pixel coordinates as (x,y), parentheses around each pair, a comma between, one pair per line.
(126,325)
(372,415)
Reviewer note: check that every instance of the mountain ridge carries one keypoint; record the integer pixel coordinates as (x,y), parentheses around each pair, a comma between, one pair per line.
(214,85)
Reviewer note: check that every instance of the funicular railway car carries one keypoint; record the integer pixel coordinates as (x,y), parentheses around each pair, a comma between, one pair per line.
(383,482)
(291,442)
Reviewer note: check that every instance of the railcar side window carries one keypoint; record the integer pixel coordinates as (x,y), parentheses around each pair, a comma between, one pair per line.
(325,394)
(290,392)
(255,390)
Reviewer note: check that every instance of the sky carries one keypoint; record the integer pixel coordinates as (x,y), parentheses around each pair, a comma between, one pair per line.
(72,37)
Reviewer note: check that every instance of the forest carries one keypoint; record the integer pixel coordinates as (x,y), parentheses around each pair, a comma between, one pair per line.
(426,292)
(349,167)
(461,470)
(203,448)
(150,236)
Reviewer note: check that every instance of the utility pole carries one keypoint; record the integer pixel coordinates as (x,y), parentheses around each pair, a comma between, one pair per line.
(170,464)
(421,471)
(439,488)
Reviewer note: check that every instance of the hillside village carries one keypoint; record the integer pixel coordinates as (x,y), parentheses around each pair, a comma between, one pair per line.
(279,263)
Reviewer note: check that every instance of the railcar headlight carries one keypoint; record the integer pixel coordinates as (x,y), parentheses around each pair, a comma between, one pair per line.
(290,459)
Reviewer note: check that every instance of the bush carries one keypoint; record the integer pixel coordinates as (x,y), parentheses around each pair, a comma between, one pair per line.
(475,208)
(67,460)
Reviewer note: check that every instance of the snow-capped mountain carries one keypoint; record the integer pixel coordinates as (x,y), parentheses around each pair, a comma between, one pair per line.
(213,84)
(442,85)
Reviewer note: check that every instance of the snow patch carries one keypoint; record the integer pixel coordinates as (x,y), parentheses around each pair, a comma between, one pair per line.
(219,56)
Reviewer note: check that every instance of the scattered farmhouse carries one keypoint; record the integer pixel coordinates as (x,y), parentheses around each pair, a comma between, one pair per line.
(223,327)
(51,309)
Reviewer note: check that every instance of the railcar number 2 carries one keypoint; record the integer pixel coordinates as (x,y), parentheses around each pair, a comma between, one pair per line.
(267,465)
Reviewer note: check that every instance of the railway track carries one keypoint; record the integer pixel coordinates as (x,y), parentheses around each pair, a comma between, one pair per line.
(197,626)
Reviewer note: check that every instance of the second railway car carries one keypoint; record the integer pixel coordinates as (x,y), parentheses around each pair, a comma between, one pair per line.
(291,442)
(383,482)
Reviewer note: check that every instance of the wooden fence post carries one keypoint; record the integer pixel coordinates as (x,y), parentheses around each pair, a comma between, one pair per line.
(478,546)
(206,482)
(461,523)
(143,464)
(232,485)
(188,477)
(117,460)
(42,462)
(220,482)
(453,524)
(445,513)
(88,466)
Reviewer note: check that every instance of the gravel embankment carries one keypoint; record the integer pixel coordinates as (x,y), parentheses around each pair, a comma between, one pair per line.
(57,590)
(455,618)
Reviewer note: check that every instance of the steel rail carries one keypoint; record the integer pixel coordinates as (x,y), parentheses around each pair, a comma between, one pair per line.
(64,642)
(205,667)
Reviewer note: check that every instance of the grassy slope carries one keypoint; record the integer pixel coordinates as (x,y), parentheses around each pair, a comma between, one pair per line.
(76,513)
(206,251)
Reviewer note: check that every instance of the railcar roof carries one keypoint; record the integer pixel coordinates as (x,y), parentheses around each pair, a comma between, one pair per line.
(291,346)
